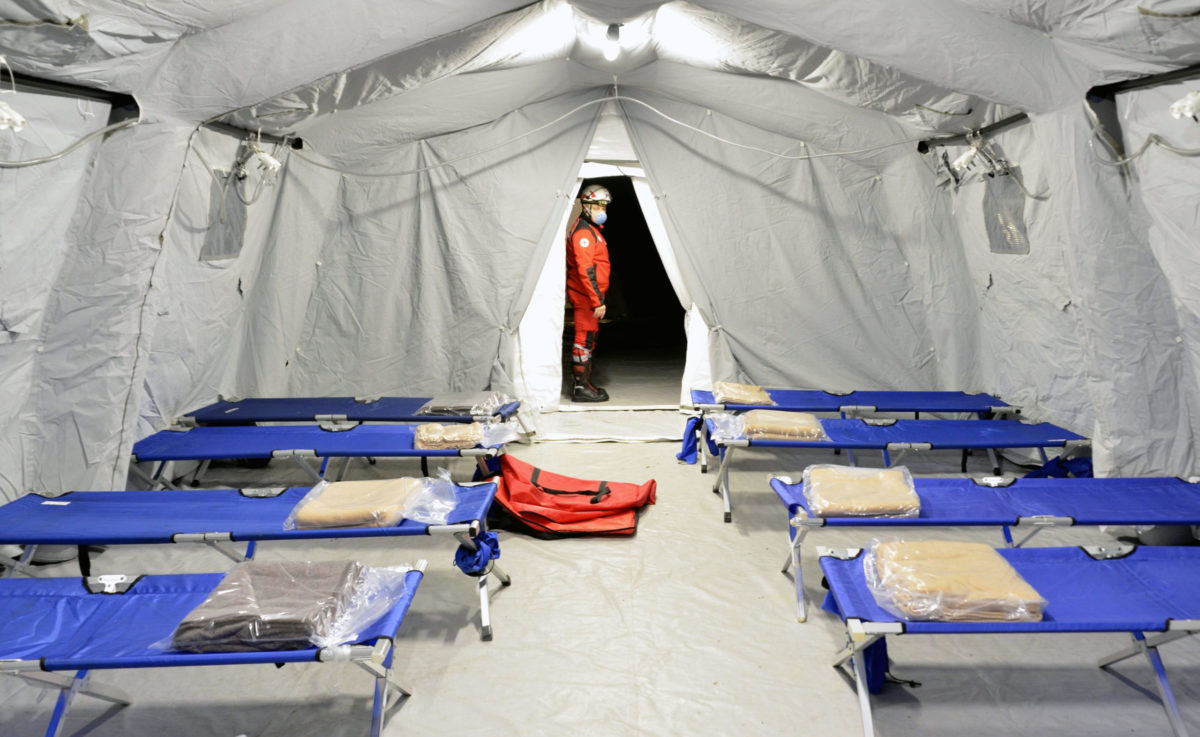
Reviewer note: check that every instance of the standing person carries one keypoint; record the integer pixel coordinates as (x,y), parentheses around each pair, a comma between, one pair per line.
(587,283)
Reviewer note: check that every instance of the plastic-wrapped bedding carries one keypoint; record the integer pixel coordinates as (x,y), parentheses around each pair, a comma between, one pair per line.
(438,436)
(727,392)
(849,491)
(769,424)
(369,503)
(288,605)
(469,404)
(949,581)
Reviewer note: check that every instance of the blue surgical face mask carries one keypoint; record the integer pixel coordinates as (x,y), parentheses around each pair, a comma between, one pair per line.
(599,218)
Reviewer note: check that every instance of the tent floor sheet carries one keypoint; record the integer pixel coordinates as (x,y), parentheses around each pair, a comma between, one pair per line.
(687,628)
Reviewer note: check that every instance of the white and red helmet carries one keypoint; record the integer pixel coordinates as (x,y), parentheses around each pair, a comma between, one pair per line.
(595,194)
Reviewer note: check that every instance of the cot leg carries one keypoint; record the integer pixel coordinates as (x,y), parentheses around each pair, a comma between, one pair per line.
(702,444)
(199,472)
(485,615)
(860,686)
(798,577)
(1164,686)
(995,459)
(383,686)
(345,467)
(307,468)
(723,482)
(154,480)
(1136,649)
(424,466)
(963,467)
(70,687)
(505,579)
(1149,648)
(20,565)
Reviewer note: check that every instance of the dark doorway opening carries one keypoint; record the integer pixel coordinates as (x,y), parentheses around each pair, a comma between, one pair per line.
(642,339)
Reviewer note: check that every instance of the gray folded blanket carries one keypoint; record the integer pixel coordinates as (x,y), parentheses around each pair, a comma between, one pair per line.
(270,606)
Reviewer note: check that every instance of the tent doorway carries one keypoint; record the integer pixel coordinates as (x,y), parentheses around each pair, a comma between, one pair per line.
(642,344)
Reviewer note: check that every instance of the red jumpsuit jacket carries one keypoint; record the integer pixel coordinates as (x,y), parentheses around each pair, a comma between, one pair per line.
(587,265)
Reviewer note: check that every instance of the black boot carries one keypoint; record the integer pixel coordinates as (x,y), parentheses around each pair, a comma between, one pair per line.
(584,391)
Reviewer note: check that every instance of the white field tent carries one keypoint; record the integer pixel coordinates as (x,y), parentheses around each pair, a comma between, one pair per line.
(357,197)
(429,152)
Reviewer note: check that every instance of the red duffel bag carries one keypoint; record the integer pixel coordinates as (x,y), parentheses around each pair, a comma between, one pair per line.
(552,505)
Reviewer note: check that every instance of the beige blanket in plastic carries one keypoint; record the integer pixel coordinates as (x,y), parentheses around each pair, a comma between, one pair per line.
(954,581)
(436,436)
(358,504)
(727,392)
(834,491)
(773,424)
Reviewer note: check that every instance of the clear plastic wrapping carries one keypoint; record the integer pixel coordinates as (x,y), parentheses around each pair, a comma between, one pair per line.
(434,501)
(471,404)
(289,605)
(373,503)
(727,392)
(726,426)
(850,491)
(773,424)
(949,581)
(499,433)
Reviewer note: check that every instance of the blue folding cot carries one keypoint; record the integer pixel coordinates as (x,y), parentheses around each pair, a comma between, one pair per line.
(1150,593)
(221,517)
(848,404)
(890,436)
(53,626)
(329,409)
(1032,505)
(296,442)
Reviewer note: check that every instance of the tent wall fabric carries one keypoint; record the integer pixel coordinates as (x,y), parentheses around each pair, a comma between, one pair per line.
(80,416)
(807,270)
(814,239)
(36,208)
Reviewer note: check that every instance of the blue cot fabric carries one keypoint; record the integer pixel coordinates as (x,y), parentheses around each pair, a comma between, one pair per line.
(306,409)
(1141,592)
(58,620)
(808,400)
(476,562)
(960,501)
(250,441)
(128,517)
(856,434)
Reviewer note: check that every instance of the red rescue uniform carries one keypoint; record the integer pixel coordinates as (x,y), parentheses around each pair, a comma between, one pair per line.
(587,283)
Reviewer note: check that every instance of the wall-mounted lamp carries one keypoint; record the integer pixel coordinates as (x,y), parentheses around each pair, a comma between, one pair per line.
(10,119)
(1187,106)
(612,42)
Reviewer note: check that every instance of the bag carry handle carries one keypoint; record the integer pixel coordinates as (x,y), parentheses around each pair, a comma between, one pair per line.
(597,496)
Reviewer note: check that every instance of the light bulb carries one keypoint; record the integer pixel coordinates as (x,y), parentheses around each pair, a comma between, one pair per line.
(612,42)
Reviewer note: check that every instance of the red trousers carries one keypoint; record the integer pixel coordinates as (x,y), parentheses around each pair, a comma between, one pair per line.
(586,327)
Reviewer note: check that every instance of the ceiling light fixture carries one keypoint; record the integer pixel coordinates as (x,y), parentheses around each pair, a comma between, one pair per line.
(612,42)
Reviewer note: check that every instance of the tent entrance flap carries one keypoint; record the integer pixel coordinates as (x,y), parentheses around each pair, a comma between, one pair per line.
(645,294)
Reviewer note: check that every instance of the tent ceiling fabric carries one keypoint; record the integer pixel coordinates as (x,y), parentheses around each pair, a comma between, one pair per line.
(442,139)
(931,62)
